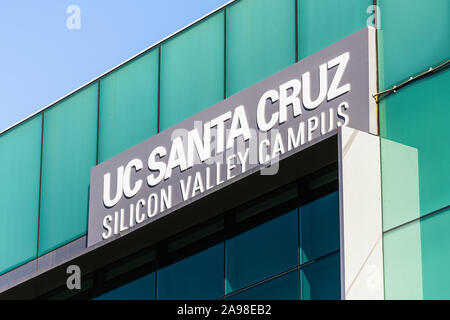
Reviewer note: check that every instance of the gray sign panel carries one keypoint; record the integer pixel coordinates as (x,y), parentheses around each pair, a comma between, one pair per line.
(248,132)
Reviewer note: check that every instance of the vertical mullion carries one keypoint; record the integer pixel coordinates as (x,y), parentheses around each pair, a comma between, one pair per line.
(156,284)
(159,89)
(40,186)
(224,259)
(298,254)
(377,71)
(228,229)
(98,120)
(296,30)
(225,54)
(298,241)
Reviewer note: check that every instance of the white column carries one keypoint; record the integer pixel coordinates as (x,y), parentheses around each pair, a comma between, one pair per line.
(360,215)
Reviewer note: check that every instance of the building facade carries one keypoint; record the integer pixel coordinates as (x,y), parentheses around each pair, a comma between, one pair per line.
(354,215)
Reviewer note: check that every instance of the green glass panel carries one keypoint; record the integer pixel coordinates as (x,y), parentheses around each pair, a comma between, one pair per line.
(417,116)
(140,289)
(69,153)
(319,227)
(262,252)
(284,287)
(192,71)
(321,280)
(400,177)
(414,36)
(200,276)
(20,162)
(324,22)
(260,41)
(403,262)
(436,255)
(128,105)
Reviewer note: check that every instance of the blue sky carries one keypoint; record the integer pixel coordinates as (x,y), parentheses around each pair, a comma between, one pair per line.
(41,59)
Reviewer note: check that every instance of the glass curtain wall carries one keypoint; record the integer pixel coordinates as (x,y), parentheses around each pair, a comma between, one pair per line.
(414,148)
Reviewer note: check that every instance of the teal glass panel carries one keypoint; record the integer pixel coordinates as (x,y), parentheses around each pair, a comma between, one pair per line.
(140,289)
(417,116)
(128,105)
(20,162)
(261,252)
(436,255)
(200,276)
(400,177)
(260,41)
(321,280)
(284,287)
(414,36)
(319,227)
(324,22)
(192,71)
(402,258)
(69,153)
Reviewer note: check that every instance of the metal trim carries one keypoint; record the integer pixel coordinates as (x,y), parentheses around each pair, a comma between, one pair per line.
(98,123)
(40,186)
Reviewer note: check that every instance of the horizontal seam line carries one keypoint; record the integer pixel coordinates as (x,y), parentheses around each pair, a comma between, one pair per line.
(418,218)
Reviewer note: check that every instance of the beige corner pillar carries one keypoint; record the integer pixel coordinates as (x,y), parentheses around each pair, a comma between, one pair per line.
(360,215)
